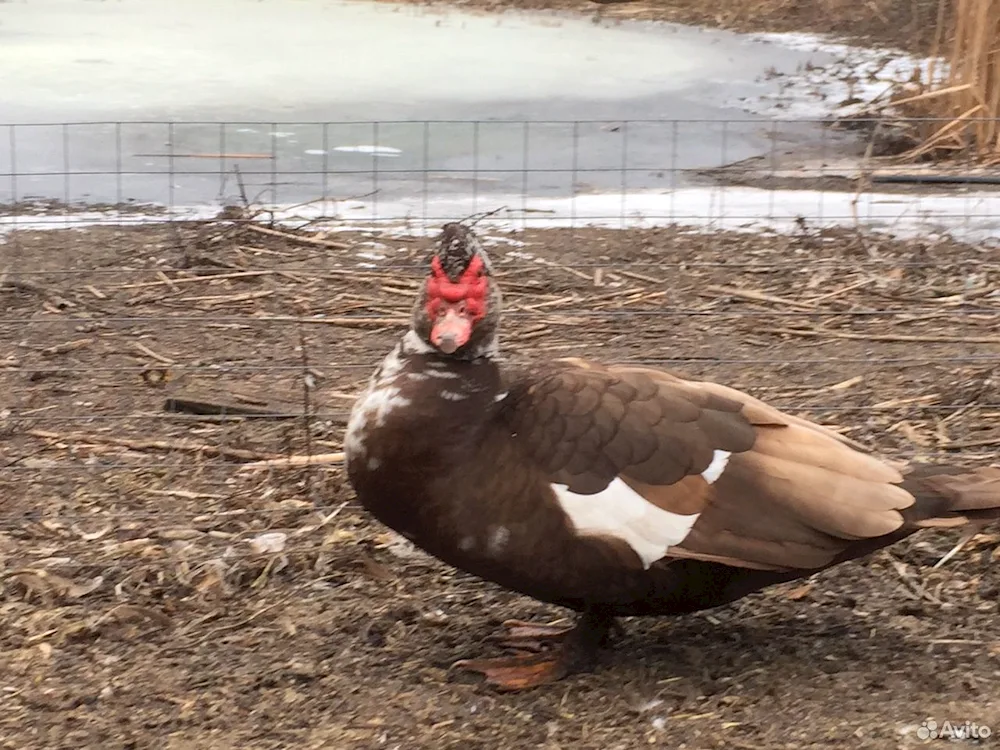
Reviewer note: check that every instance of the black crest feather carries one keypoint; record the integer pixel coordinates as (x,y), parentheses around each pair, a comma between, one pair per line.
(457,246)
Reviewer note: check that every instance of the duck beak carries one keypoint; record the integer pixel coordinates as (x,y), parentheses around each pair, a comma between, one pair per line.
(451,330)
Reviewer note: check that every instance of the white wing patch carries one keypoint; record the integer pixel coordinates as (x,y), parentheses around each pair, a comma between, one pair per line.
(720,459)
(620,511)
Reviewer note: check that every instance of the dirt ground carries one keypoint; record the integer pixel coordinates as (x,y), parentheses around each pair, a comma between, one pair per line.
(157,593)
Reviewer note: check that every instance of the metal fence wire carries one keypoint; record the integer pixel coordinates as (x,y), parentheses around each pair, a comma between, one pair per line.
(698,171)
(228,287)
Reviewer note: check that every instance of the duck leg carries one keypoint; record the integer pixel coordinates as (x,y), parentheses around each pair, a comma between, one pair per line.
(532,636)
(574,650)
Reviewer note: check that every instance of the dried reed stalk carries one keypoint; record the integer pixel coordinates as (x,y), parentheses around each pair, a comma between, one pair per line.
(962,97)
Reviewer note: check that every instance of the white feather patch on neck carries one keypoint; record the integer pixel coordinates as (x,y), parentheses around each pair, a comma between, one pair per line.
(621,512)
(413,344)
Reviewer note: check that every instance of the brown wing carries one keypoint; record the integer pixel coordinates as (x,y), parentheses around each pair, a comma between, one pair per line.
(586,425)
(792,495)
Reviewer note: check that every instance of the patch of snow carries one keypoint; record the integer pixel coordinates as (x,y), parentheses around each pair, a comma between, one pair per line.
(857,77)
(493,241)
(84,219)
(388,151)
(970,217)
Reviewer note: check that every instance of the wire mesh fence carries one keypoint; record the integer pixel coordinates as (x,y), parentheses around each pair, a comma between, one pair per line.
(535,173)
(233,285)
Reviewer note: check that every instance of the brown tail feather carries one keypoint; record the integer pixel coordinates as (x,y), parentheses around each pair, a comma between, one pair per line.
(951,495)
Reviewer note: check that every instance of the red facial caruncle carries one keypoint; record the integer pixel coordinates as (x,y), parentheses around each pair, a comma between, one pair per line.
(454,307)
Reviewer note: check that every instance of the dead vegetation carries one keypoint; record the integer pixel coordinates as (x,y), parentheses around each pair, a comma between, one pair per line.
(900,24)
(176,572)
(958,92)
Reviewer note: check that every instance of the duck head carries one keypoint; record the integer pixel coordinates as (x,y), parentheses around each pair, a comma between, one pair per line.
(458,308)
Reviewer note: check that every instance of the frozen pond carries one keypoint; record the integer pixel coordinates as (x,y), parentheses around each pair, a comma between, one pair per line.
(302,63)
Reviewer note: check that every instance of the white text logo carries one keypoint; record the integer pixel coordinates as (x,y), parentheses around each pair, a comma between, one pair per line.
(968,730)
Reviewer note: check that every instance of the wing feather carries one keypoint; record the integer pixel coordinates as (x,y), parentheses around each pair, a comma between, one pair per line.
(792,494)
